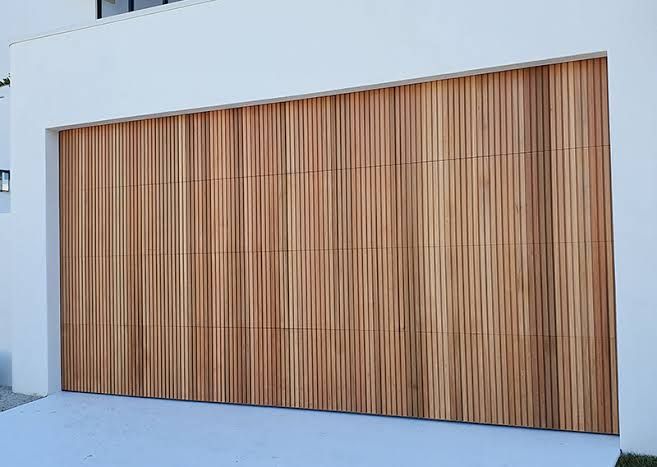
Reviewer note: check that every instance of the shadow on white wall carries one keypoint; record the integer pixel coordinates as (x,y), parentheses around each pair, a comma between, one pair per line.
(5,368)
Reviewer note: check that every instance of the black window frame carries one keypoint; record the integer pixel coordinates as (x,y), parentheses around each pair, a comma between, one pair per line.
(131,8)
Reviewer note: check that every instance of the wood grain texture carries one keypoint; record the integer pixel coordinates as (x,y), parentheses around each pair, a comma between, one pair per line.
(440,250)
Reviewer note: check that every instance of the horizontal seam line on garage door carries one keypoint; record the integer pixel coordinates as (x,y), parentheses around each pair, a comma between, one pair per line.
(335,169)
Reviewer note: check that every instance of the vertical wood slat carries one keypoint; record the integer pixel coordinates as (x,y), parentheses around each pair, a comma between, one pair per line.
(440,250)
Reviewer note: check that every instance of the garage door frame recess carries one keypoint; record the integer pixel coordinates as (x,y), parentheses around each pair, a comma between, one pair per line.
(439,250)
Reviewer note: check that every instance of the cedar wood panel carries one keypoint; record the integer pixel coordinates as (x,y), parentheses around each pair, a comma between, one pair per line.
(439,250)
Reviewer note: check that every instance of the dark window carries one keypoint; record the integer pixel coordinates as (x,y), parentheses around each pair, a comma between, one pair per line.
(112,7)
(115,7)
(141,4)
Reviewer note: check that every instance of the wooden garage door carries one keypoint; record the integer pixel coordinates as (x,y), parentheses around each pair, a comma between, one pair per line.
(440,250)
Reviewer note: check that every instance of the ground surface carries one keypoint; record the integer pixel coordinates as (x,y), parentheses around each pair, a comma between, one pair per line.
(83,429)
(636,461)
(9,400)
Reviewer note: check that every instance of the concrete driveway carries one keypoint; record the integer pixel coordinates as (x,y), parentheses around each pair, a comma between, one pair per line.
(69,429)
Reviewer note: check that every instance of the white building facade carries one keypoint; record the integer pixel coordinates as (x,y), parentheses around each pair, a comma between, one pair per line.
(193,55)
(20,19)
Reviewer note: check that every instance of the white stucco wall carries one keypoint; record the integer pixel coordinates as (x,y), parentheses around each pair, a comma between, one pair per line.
(22,18)
(227,52)
(5,317)
(5,238)
(5,241)
(5,205)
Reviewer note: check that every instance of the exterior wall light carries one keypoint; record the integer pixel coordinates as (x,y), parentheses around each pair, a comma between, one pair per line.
(4,181)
